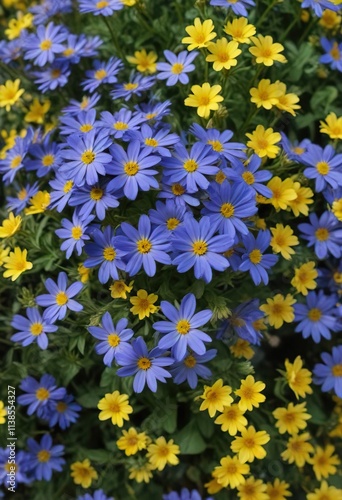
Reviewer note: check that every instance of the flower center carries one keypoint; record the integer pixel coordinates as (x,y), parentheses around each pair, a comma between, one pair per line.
(61,407)
(177,189)
(255,256)
(120,126)
(289,417)
(102,4)
(216,145)
(212,395)
(132,441)
(68,186)
(55,73)
(199,38)
(36,329)
(227,210)
(337,370)
(151,142)
(190,361)
(22,194)
(10,467)
(43,456)
(335,53)
(314,314)
(88,157)
(203,100)
(61,298)
(113,340)
(220,177)
(130,86)
(231,469)
(337,277)
(86,127)
(144,245)
(100,74)
(96,194)
(200,247)
(76,232)
(177,68)
(248,177)
(114,407)
(42,394)
(172,223)
(183,326)
(322,234)
(249,442)
(109,253)
(45,45)
(16,161)
(144,363)
(131,168)
(68,52)
(322,167)
(48,160)
(190,165)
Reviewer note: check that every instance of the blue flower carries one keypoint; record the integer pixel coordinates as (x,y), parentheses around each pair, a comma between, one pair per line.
(103,72)
(87,103)
(294,151)
(318,6)
(49,8)
(74,234)
(73,50)
(98,197)
(169,214)
(18,203)
(177,67)
(185,494)
(249,174)
(329,373)
(45,458)
(241,322)
(333,54)
(324,233)
(254,260)
(237,6)
(97,495)
(155,140)
(43,46)
(62,189)
(20,465)
(33,329)
(15,157)
(59,300)
(135,86)
(81,124)
(119,123)
(228,205)
(196,247)
(323,165)
(146,366)
(132,169)
(63,412)
(46,157)
(114,339)
(191,367)
(317,318)
(152,111)
(181,332)
(38,394)
(52,77)
(100,8)
(143,246)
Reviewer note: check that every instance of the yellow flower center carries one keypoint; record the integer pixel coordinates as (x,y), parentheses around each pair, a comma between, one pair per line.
(86,127)
(190,165)
(76,232)
(172,223)
(337,370)
(255,256)
(84,103)
(109,253)
(61,407)
(216,145)
(45,45)
(212,395)
(177,68)
(36,329)
(200,247)
(132,440)
(144,245)
(61,298)
(131,168)
(15,162)
(248,177)
(68,52)
(151,142)
(144,363)
(199,38)
(322,234)
(100,74)
(120,126)
(96,194)
(114,407)
(22,194)
(130,86)
(322,167)
(335,53)
(249,442)
(10,467)
(231,469)
(113,340)
(150,116)
(55,73)
(227,210)
(314,314)
(203,100)
(48,160)
(298,151)
(88,157)
(190,361)
(337,277)
(43,456)
(220,177)
(102,4)
(177,189)
(42,394)
(68,186)
(183,326)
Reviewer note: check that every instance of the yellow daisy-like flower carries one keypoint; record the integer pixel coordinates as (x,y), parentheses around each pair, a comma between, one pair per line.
(242,349)
(39,203)
(10,226)
(231,472)
(291,419)
(304,198)
(16,26)
(162,452)
(223,54)
(263,141)
(10,93)
(283,192)
(265,51)
(252,489)
(240,30)
(119,289)
(298,450)
(283,240)
(141,473)
(248,446)
(205,98)
(15,264)
(330,19)
(286,102)
(3,413)
(145,62)
(37,111)
(298,378)
(304,278)
(266,94)
(279,490)
(83,473)
(200,34)
(332,126)
(216,397)
(116,407)
(143,304)
(325,492)
(132,441)
(83,272)
(324,462)
(232,420)
(336,208)
(249,393)
(4,251)
(213,486)
(279,310)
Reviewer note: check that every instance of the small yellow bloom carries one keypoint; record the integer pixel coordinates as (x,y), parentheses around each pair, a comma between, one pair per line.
(248,446)
(263,141)
(205,98)
(231,472)
(132,441)
(143,304)
(37,111)
(286,102)
(200,34)
(3,413)
(304,278)
(336,208)
(283,192)
(145,62)
(16,264)
(330,19)
(298,450)
(291,419)
(325,492)
(4,251)
(242,349)
(252,489)
(10,93)
(249,393)
(266,94)
(10,226)
(299,205)
(115,406)
(332,126)
(223,54)
(279,490)
(279,310)
(232,420)
(141,473)
(265,51)
(298,378)
(83,473)
(283,240)
(119,289)
(16,26)
(213,486)
(324,462)
(162,452)
(216,397)
(240,30)
(84,273)
(39,203)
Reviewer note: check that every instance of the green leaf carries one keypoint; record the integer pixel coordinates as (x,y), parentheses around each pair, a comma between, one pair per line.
(99,456)
(170,422)
(190,440)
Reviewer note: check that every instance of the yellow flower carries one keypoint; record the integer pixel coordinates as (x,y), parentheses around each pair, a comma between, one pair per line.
(119,289)
(266,94)
(325,492)
(252,489)
(162,452)
(282,240)
(291,419)
(330,19)
(143,304)
(231,472)
(300,204)
(213,486)
(249,393)
(286,102)
(10,226)
(10,93)
(283,192)
(278,490)
(37,111)
(141,473)
(83,473)
(16,26)
(200,34)
(337,208)
(304,278)
(132,441)
(242,349)
(223,54)
(263,141)
(324,462)
(298,450)
(83,273)
(248,446)
(4,251)
(39,203)
(265,51)
(115,406)
(146,62)
(240,30)
(204,98)
(3,413)
(232,420)
(332,126)
(16,264)
(216,397)
(298,378)
(279,310)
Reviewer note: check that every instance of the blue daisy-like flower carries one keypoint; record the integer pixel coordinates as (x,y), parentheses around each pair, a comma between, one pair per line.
(329,373)
(191,367)
(45,457)
(19,202)
(254,259)
(53,76)
(241,322)
(81,124)
(22,468)
(333,55)
(32,329)
(135,86)
(74,234)
(97,8)
(294,151)
(43,46)
(324,234)
(103,72)
(16,157)
(96,198)
(317,6)
(155,140)
(237,6)
(61,192)
(97,495)
(46,156)
(117,124)
(177,67)
(86,104)
(324,165)
(168,215)
(249,174)
(63,412)
(39,393)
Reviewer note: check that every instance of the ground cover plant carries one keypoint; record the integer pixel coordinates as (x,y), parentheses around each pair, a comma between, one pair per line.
(170,249)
